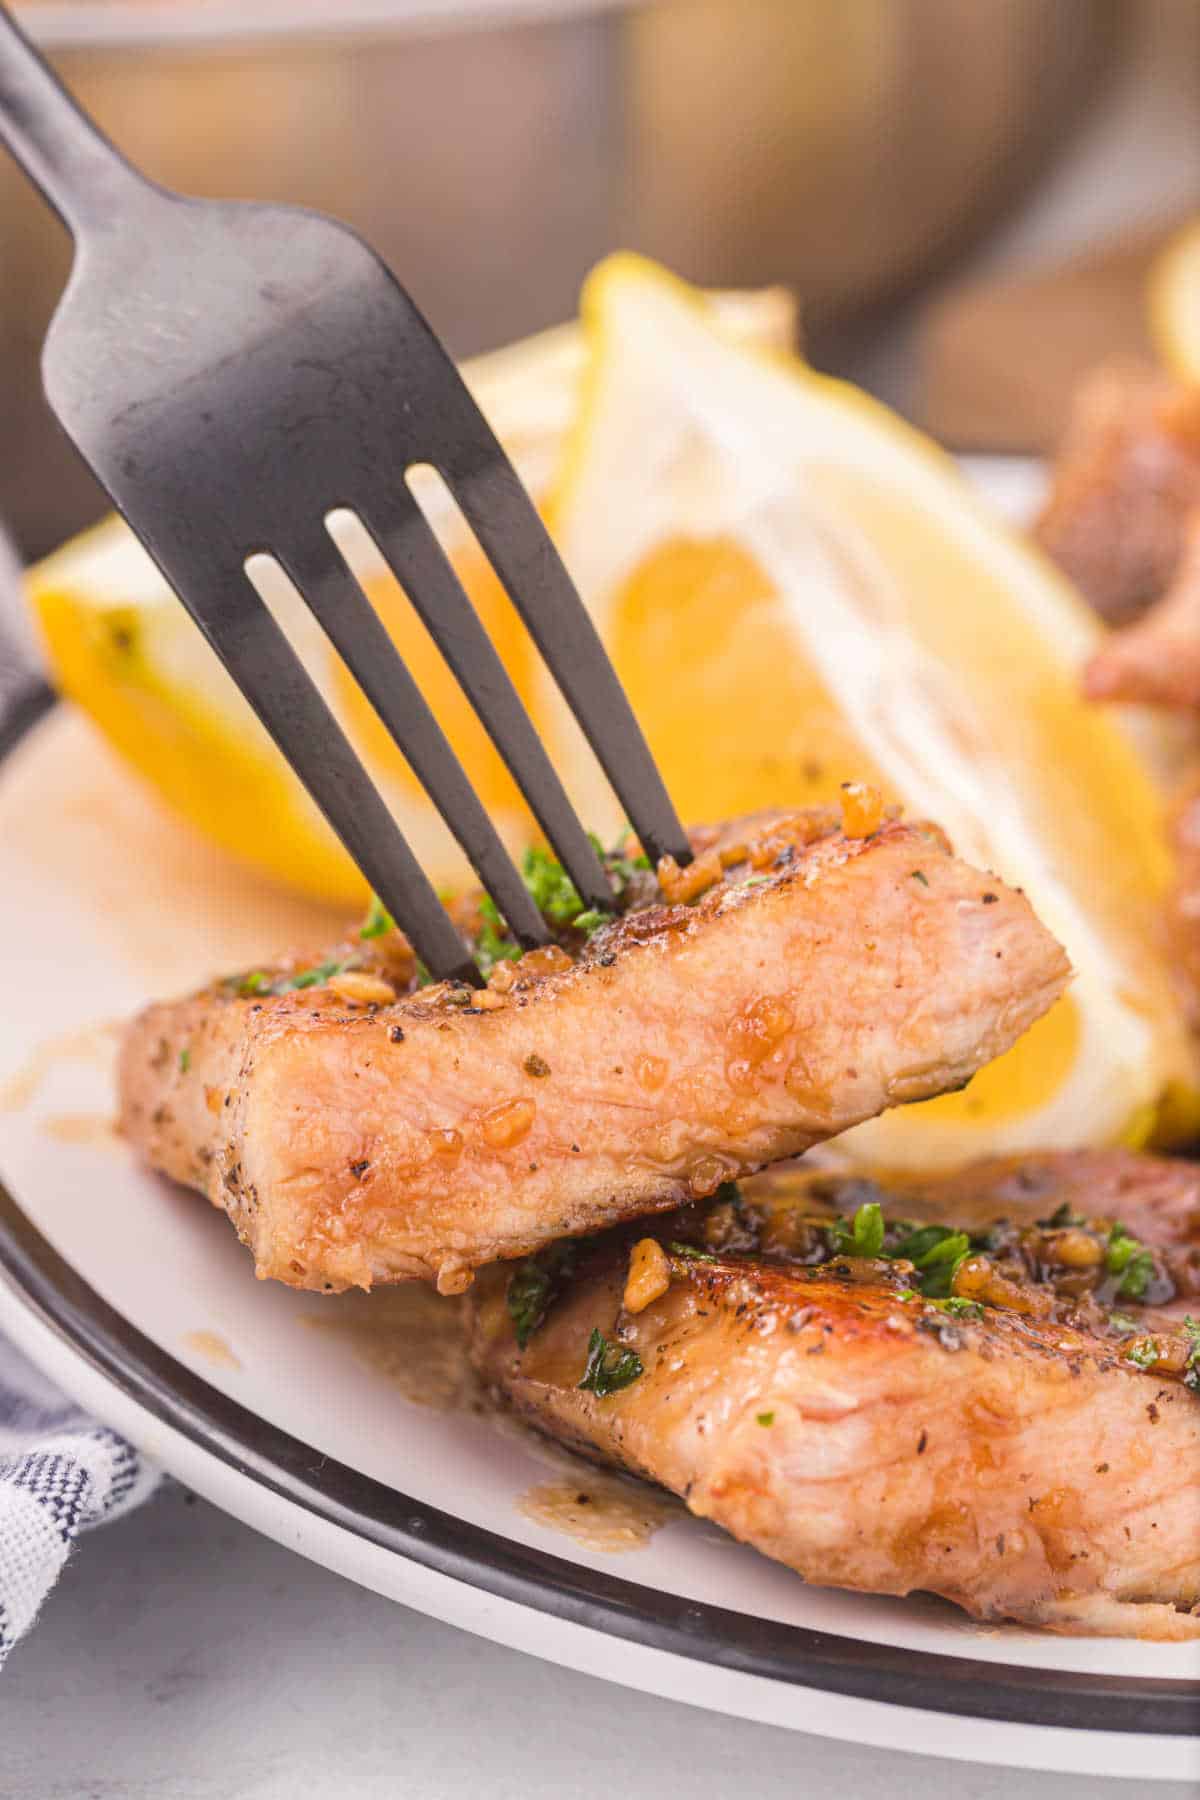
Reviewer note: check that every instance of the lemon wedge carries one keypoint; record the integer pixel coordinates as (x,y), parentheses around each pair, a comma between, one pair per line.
(119,644)
(1174,303)
(799,590)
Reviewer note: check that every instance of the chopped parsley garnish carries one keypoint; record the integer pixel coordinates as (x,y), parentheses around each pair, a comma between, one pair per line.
(609,1368)
(491,945)
(765,1418)
(1121,1247)
(1130,1259)
(378,921)
(1060,1217)
(1137,1277)
(185,1060)
(920,875)
(959,1307)
(309,978)
(259,982)
(1191,1367)
(864,1237)
(1123,1323)
(1142,1353)
(552,890)
(691,1252)
(937,1277)
(936,1252)
(913,1247)
(554,893)
(556,898)
(528,1291)
(588,922)
(951,1248)
(621,869)
(535,1285)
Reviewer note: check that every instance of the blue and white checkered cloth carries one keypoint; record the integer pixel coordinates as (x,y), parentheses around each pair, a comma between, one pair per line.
(60,1473)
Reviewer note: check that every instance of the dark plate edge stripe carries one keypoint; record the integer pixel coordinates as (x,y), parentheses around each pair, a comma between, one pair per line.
(21,711)
(1006,1693)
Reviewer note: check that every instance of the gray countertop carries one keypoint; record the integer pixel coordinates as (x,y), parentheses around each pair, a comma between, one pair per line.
(186,1658)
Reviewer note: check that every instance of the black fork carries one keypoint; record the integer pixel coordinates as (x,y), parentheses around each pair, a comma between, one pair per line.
(235,373)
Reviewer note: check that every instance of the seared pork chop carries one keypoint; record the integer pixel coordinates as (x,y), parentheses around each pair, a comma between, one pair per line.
(883,1403)
(354,1136)
(1156,660)
(1124,482)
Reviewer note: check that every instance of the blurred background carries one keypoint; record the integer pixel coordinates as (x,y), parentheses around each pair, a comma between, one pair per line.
(892,160)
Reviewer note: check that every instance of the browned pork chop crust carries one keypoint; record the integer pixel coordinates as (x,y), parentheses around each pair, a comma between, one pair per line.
(352,1143)
(832,1417)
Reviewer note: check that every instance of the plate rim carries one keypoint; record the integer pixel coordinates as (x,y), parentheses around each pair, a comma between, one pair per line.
(274,1460)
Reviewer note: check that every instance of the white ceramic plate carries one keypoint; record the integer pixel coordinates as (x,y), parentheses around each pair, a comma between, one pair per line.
(137,1299)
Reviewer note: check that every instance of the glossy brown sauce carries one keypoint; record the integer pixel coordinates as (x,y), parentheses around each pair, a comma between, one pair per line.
(97,1130)
(601,1512)
(601,1509)
(412,1336)
(92,1044)
(212,1347)
(416,1339)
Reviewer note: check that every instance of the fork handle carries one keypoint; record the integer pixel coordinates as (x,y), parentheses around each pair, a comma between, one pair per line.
(84,177)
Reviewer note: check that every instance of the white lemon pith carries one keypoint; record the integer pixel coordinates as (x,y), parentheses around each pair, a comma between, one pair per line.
(934,654)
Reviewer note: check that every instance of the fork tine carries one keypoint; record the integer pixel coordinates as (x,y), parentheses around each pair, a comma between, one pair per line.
(508,525)
(241,630)
(409,545)
(332,592)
